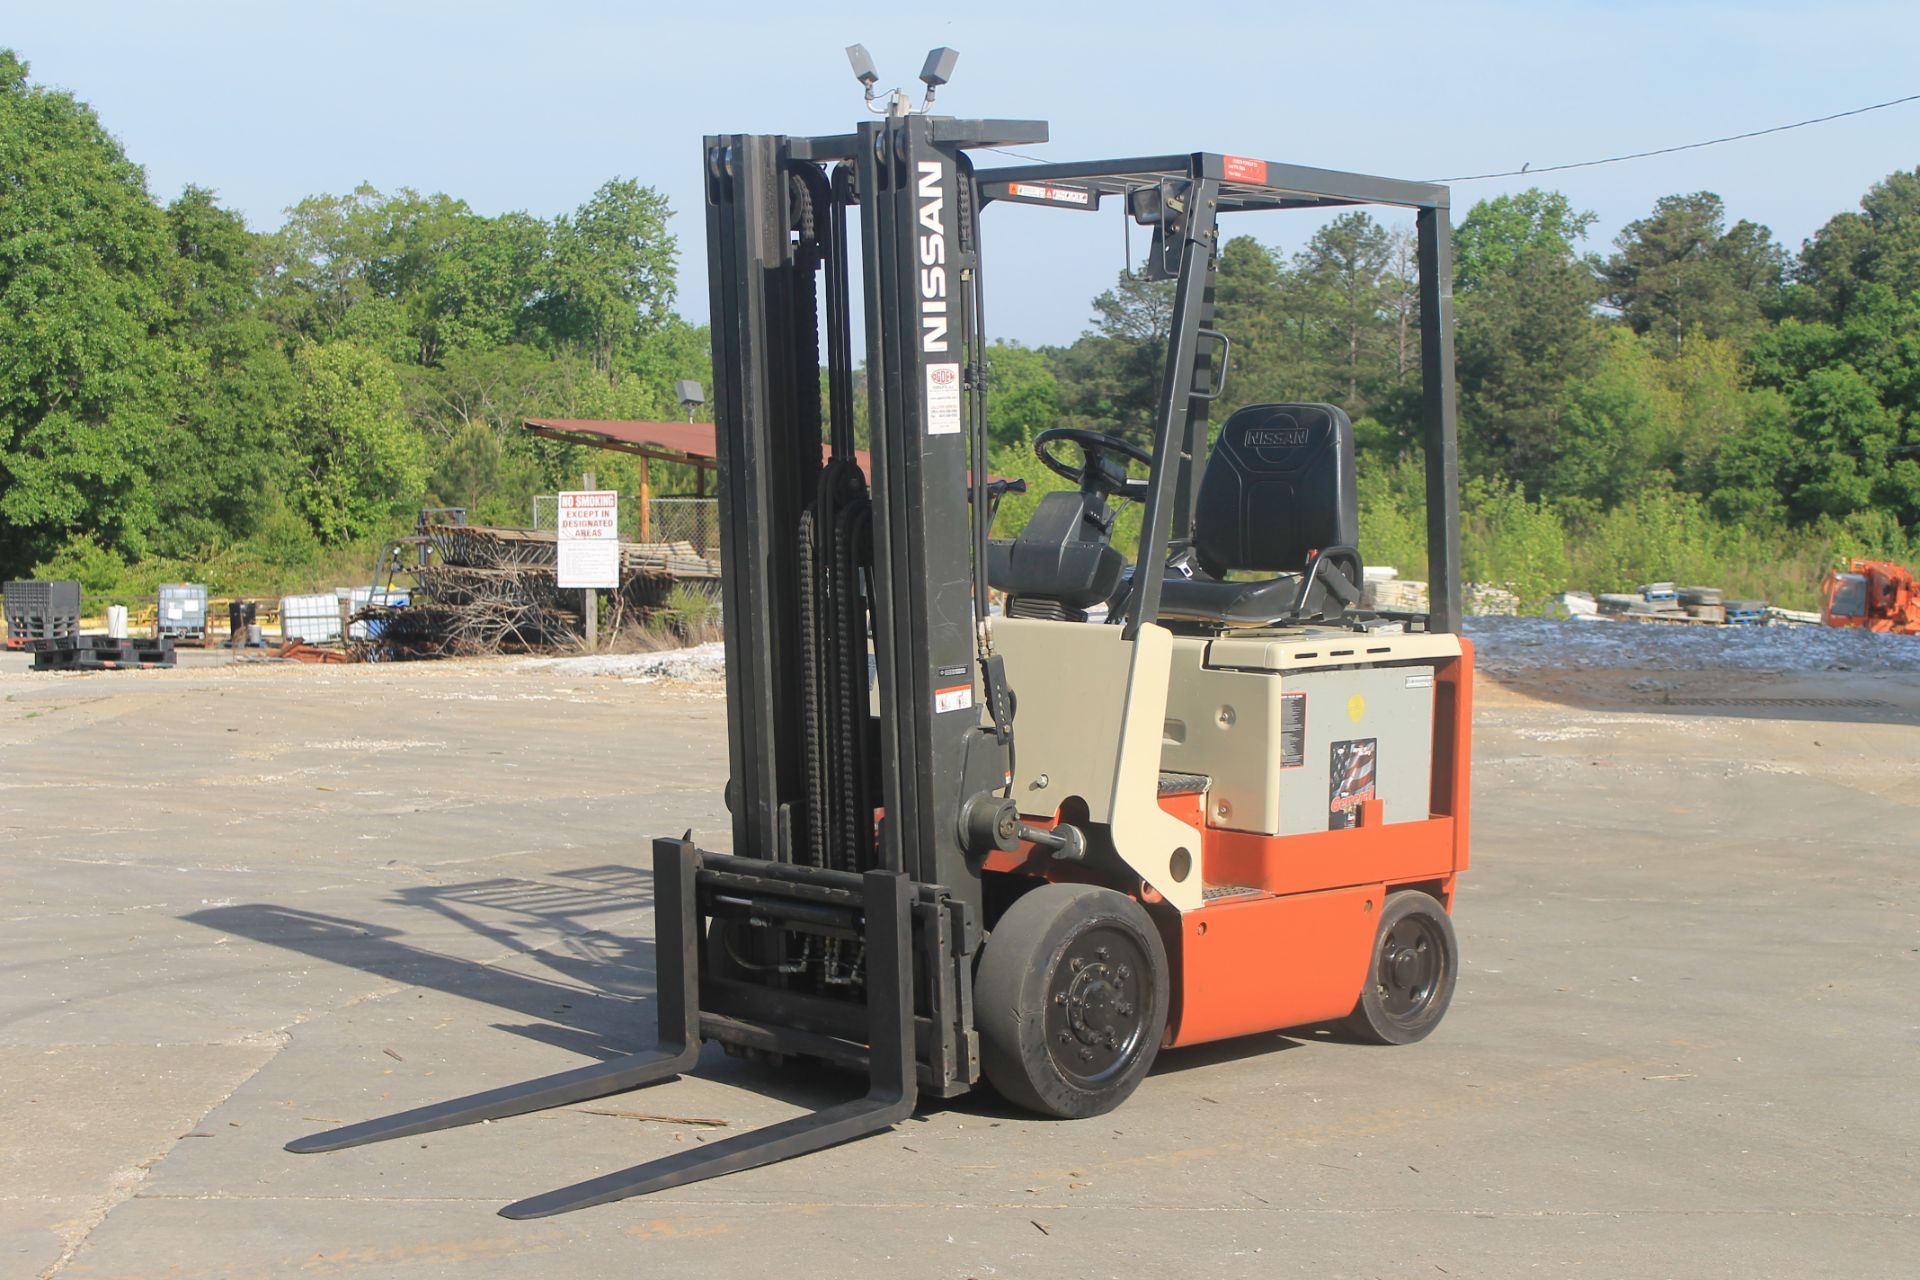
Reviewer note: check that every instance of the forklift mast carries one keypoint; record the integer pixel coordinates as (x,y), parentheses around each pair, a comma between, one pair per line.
(818,556)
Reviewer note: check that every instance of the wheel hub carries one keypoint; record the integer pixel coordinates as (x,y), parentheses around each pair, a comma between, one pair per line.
(1095,1015)
(1410,965)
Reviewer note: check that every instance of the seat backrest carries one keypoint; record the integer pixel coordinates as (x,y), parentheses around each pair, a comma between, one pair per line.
(1278,486)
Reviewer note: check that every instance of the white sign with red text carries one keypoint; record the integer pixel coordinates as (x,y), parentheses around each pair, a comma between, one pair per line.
(589,525)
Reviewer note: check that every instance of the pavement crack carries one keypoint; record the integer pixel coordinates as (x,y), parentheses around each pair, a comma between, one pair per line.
(126,1181)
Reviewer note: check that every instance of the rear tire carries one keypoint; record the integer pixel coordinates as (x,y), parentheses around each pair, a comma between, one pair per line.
(1071,1000)
(1411,975)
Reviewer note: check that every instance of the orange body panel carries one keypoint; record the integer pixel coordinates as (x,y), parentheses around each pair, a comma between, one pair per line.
(1261,963)
(1296,951)
(1331,859)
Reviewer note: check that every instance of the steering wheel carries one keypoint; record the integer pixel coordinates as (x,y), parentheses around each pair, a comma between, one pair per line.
(1098,472)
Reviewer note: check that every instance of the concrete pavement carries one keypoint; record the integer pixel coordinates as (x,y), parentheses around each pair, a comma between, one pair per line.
(240,904)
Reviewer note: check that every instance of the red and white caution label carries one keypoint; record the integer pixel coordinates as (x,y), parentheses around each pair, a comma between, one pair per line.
(1048,192)
(1243,169)
(955,698)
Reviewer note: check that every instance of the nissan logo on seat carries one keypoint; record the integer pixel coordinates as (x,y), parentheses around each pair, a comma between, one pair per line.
(1276,438)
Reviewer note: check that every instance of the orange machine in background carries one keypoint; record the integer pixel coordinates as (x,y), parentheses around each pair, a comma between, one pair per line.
(1875,594)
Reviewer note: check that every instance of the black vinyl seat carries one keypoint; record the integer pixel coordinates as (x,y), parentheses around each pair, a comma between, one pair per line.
(1277,497)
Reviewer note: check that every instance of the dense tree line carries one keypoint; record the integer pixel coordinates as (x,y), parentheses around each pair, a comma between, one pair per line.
(181,392)
(174,387)
(1697,402)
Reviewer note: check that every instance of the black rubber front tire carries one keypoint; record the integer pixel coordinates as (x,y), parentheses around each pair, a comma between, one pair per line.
(1411,975)
(1071,1000)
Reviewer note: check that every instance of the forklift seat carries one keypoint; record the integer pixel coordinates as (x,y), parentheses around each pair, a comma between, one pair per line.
(1277,496)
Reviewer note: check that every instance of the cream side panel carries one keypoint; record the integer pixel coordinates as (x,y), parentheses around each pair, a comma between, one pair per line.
(1068,679)
(1091,710)
(1224,724)
(1163,849)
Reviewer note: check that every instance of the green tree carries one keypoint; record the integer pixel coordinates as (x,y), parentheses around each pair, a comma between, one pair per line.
(1682,268)
(1342,269)
(361,460)
(1878,245)
(1620,426)
(1525,327)
(611,275)
(225,450)
(87,378)
(1496,234)
(1023,395)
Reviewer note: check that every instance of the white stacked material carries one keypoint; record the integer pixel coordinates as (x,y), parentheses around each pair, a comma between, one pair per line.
(1490,601)
(1394,594)
(1778,617)
(1577,604)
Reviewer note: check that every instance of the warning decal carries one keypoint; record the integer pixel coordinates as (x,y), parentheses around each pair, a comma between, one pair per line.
(1050,193)
(1293,730)
(1241,169)
(1352,781)
(957,698)
(943,399)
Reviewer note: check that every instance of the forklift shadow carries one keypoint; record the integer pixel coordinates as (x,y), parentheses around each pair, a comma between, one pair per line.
(596,989)
(1218,1052)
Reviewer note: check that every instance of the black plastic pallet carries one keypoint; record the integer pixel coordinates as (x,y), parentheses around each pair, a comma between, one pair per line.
(100,653)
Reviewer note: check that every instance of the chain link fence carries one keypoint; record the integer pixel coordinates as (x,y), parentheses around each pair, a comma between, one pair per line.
(691,520)
(694,520)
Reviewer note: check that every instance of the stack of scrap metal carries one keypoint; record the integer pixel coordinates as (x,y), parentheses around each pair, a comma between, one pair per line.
(99,653)
(494,590)
(488,591)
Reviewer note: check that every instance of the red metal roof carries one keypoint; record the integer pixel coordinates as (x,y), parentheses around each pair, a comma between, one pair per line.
(692,440)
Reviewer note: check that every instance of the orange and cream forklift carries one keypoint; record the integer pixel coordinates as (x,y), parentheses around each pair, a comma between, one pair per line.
(1032,847)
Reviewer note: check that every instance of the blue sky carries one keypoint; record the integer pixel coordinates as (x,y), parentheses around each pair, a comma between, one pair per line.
(529,106)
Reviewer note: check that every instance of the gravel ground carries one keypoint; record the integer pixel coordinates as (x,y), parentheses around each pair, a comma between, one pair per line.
(701,662)
(1507,646)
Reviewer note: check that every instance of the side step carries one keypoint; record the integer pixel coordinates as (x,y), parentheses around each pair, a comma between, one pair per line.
(891,1093)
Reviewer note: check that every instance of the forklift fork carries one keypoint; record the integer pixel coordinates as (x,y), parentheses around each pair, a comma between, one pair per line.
(890,1098)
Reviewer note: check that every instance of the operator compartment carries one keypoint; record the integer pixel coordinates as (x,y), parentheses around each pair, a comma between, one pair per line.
(1299,728)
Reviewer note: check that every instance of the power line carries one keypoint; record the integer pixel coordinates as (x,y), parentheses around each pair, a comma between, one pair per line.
(1019,155)
(1529,170)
